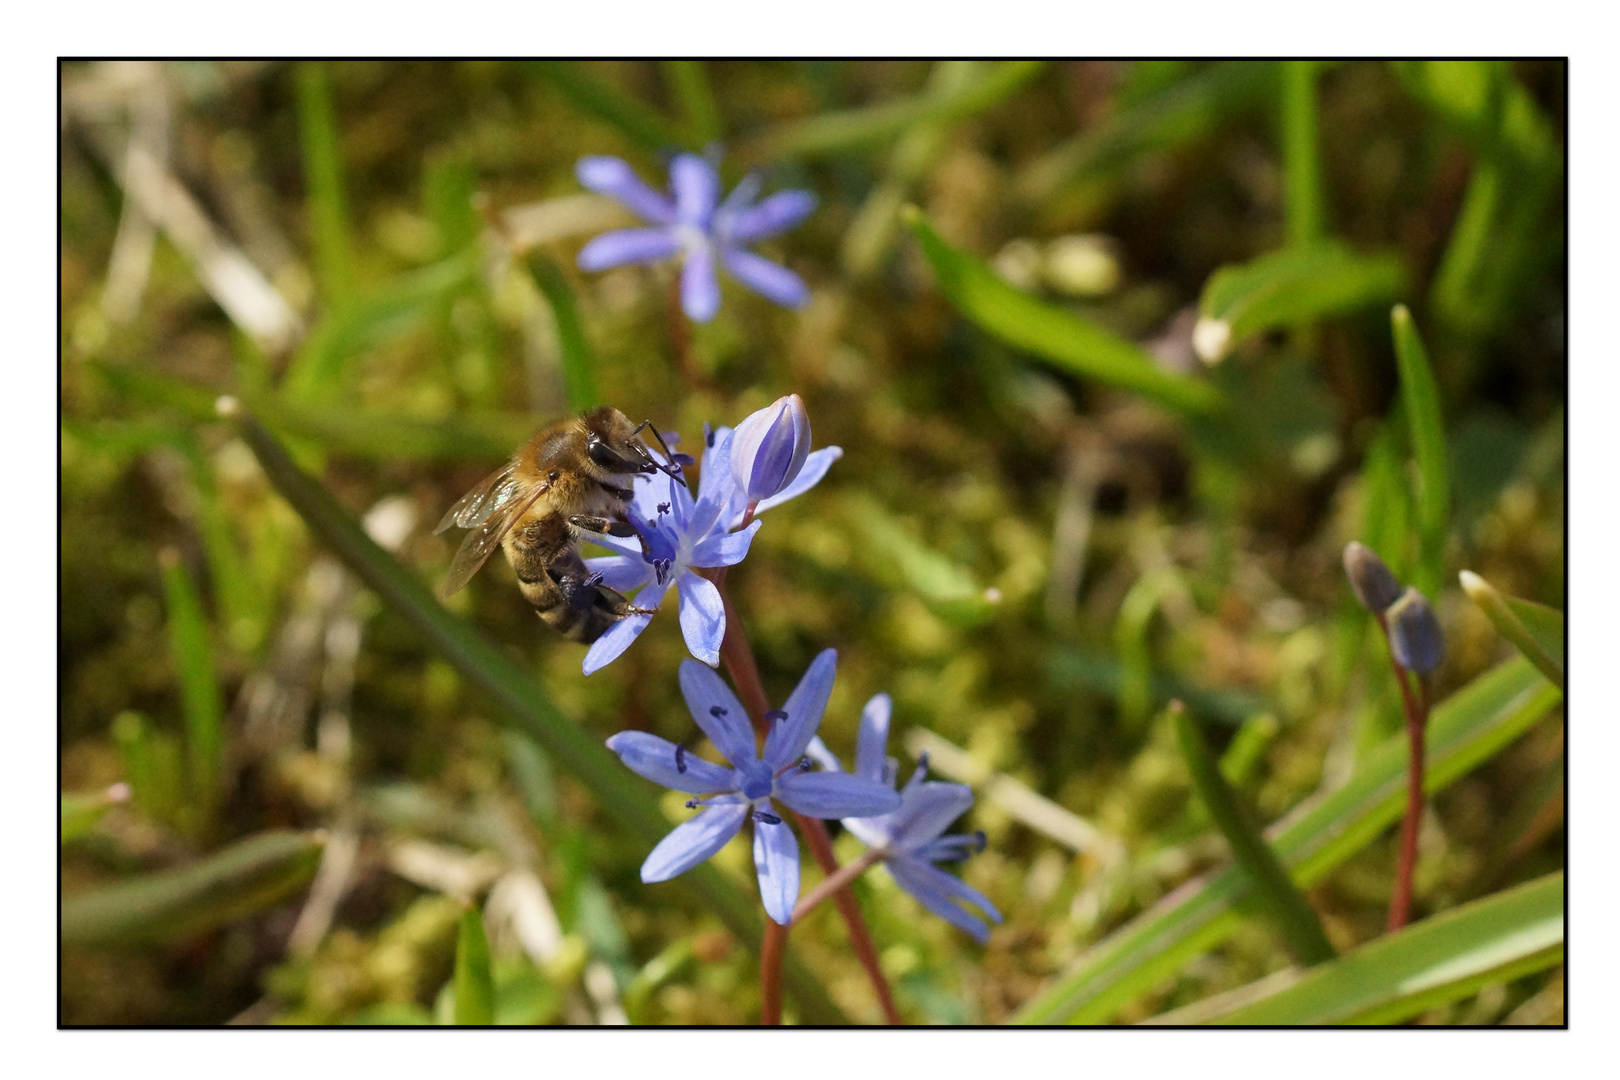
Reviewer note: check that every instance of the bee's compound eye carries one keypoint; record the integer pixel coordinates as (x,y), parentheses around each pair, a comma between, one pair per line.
(601,453)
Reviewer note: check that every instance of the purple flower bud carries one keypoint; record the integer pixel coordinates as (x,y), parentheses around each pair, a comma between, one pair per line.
(1414,633)
(769,448)
(1370,578)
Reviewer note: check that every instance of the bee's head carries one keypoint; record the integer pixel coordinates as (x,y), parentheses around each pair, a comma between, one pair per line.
(612,445)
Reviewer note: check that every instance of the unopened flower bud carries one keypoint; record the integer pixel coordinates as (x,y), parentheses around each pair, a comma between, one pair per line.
(1370,579)
(1414,633)
(769,447)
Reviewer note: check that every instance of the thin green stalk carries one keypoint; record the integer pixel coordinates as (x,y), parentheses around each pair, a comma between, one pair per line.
(1275,888)
(578,362)
(690,82)
(323,176)
(202,701)
(475,987)
(1302,173)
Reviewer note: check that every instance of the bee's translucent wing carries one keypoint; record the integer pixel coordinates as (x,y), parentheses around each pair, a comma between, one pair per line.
(482,502)
(485,537)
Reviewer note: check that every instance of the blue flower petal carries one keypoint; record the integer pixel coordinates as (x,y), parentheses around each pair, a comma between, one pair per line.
(724,549)
(618,637)
(822,756)
(737,203)
(815,467)
(935,890)
(621,572)
(614,177)
(718,712)
(952,848)
(873,738)
(832,795)
(778,213)
(716,474)
(661,761)
(700,290)
(628,246)
(691,842)
(773,282)
(786,742)
(776,858)
(928,810)
(697,189)
(703,617)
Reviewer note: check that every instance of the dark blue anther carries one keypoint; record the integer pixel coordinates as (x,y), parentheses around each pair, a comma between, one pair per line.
(769,819)
(663,508)
(691,804)
(680,759)
(980,840)
(804,763)
(717,711)
(922,761)
(775,714)
(708,435)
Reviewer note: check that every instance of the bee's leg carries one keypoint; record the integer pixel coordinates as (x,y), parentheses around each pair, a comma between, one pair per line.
(602,525)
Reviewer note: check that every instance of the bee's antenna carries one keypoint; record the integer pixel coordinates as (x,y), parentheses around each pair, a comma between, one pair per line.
(673,469)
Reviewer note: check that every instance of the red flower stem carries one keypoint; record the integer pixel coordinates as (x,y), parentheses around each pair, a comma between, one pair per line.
(680,336)
(833,883)
(738,656)
(770,973)
(1417,718)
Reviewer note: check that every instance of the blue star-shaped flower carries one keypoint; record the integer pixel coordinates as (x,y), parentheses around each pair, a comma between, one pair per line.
(910,836)
(745,790)
(692,223)
(678,534)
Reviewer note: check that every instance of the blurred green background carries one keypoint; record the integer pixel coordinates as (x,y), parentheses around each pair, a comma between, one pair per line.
(1031,550)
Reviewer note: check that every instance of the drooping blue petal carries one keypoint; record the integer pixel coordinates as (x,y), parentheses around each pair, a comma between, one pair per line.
(815,467)
(620,573)
(724,549)
(718,712)
(618,637)
(928,810)
(873,738)
(936,890)
(788,738)
(776,858)
(628,246)
(770,280)
(700,290)
(697,189)
(691,842)
(832,795)
(775,214)
(949,848)
(615,178)
(737,203)
(703,617)
(662,762)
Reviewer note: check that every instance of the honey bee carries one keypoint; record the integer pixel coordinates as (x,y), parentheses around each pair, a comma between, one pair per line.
(569,481)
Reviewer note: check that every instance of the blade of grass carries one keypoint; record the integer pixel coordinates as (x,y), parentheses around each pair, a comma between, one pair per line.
(1302,174)
(639,122)
(1290,287)
(1276,890)
(1180,113)
(891,553)
(1420,398)
(80,813)
(522,700)
(244,878)
(1318,835)
(1535,630)
(837,132)
(202,701)
(1454,954)
(690,82)
(323,177)
(1051,333)
(578,362)
(477,436)
(474,986)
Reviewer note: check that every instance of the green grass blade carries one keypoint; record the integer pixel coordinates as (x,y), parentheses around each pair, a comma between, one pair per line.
(80,813)
(474,986)
(1318,835)
(1276,890)
(638,122)
(1454,954)
(578,362)
(892,554)
(852,129)
(1492,110)
(323,176)
(1179,113)
(690,82)
(522,702)
(1302,173)
(1535,630)
(245,878)
(1420,398)
(473,436)
(202,701)
(1051,333)
(1291,287)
